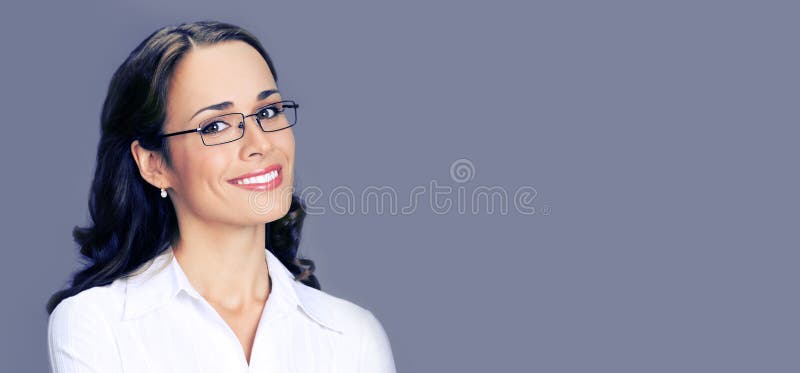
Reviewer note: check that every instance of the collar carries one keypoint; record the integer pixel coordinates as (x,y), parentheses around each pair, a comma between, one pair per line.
(161,279)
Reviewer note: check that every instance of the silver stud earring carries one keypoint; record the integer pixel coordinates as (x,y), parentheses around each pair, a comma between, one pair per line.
(163,193)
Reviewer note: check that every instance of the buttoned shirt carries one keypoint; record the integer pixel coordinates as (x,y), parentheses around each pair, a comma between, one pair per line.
(155,321)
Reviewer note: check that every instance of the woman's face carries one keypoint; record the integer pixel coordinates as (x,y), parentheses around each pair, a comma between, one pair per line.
(201,179)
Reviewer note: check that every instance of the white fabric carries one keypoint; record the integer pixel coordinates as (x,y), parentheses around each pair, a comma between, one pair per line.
(155,321)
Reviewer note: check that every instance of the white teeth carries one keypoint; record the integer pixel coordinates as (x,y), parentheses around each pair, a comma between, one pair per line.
(260,179)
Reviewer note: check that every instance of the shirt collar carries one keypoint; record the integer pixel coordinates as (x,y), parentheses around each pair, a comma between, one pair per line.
(162,278)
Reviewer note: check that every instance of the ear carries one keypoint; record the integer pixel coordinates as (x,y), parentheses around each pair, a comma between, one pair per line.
(151,165)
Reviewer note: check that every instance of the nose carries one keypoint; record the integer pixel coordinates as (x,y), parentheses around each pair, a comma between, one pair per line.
(255,141)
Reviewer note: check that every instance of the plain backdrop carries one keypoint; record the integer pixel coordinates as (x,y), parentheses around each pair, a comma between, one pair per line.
(645,152)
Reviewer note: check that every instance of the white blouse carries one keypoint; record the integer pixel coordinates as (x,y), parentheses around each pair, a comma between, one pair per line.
(155,321)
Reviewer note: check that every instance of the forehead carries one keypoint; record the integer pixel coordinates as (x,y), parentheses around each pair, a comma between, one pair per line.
(227,71)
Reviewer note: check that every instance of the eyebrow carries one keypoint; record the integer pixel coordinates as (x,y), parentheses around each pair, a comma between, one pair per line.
(227,104)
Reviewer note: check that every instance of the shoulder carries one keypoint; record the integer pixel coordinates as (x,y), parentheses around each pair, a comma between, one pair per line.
(344,314)
(102,301)
(80,330)
(86,311)
(368,340)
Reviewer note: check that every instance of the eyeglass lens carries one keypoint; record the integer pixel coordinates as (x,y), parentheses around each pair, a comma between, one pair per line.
(229,127)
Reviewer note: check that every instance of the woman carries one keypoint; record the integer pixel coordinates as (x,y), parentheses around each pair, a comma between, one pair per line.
(192,255)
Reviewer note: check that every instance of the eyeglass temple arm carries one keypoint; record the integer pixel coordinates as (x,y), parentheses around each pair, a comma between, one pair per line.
(180,132)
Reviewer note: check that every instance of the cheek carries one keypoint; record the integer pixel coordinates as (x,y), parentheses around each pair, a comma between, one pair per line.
(287,147)
(286,143)
(201,167)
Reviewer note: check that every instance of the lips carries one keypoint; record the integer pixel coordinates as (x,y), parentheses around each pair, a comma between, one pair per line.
(262,172)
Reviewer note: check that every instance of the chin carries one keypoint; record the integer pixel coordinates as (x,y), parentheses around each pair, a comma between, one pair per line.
(267,207)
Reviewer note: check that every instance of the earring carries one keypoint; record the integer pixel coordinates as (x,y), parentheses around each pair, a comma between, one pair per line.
(163,193)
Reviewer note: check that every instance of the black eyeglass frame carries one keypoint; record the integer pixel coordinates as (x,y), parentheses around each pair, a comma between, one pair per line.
(285,104)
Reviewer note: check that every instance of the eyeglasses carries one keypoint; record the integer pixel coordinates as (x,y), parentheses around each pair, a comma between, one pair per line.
(229,127)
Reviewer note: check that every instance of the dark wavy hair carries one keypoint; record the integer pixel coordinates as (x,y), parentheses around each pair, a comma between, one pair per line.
(130,223)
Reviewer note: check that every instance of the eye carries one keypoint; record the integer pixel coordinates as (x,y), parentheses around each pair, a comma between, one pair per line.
(271,111)
(214,127)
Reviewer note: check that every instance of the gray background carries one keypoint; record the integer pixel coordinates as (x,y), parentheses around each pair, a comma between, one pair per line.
(660,138)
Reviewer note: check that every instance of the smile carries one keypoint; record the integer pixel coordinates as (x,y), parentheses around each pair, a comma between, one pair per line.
(262,179)
(259,179)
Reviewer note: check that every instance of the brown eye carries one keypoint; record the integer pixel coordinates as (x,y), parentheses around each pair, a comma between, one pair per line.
(269,112)
(214,127)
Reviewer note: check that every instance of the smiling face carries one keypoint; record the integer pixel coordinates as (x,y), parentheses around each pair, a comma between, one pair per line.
(201,178)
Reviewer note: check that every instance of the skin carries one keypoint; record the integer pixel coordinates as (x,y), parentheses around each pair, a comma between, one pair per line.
(222,235)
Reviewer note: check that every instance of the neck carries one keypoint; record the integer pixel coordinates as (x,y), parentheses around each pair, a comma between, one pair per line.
(226,265)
